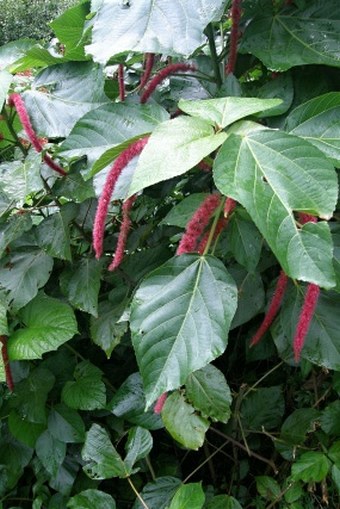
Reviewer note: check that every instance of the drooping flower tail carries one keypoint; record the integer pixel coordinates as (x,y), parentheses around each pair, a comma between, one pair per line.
(274,306)
(149,61)
(234,36)
(229,206)
(305,318)
(160,403)
(197,224)
(7,367)
(103,205)
(123,233)
(17,101)
(121,83)
(162,75)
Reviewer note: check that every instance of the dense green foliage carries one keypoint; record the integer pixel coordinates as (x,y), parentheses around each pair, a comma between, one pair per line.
(94,352)
(28,18)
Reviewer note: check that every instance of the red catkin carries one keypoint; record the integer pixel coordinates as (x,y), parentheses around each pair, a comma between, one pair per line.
(229,206)
(17,101)
(305,318)
(123,233)
(204,166)
(306,218)
(7,367)
(118,166)
(162,75)
(160,403)
(121,83)
(149,62)
(274,305)
(197,224)
(234,35)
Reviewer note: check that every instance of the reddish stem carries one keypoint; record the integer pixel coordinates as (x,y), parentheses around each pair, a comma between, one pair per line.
(274,306)
(17,101)
(160,403)
(149,62)
(234,36)
(7,366)
(197,224)
(118,166)
(123,233)
(121,83)
(306,315)
(162,75)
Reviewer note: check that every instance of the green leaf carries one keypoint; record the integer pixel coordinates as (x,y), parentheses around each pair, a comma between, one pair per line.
(208,391)
(54,237)
(138,445)
(158,494)
(48,323)
(250,295)
(15,456)
(101,458)
(244,240)
(223,502)
(268,487)
(181,213)
(89,499)
(73,89)
(3,332)
(174,147)
(185,23)
(318,122)
(322,344)
(109,126)
(330,419)
(5,82)
(81,285)
(295,428)
(51,452)
(311,467)
(23,430)
(227,110)
(263,408)
(281,87)
(336,476)
(69,29)
(273,174)
(13,228)
(66,425)
(36,56)
(188,496)
(334,453)
(180,317)
(23,273)
(183,423)
(88,391)
(74,187)
(289,38)
(12,51)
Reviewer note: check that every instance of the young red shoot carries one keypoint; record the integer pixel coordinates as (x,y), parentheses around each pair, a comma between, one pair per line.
(273,308)
(121,83)
(149,62)
(123,233)
(17,101)
(306,315)
(234,36)
(103,205)
(160,403)
(162,75)
(197,224)
(7,367)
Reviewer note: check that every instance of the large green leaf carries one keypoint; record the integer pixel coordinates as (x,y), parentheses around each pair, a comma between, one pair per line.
(180,317)
(54,237)
(318,121)
(289,37)
(183,423)
(23,273)
(51,452)
(174,147)
(273,174)
(22,429)
(68,92)
(102,461)
(311,467)
(208,391)
(48,324)
(322,345)
(110,125)
(188,496)
(13,228)
(12,51)
(138,445)
(66,424)
(158,27)
(227,110)
(244,240)
(5,81)
(263,408)
(90,499)
(87,391)
(158,494)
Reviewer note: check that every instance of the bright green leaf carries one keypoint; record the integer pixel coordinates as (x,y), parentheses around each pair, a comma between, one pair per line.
(268,487)
(188,496)
(90,499)
(311,467)
(180,317)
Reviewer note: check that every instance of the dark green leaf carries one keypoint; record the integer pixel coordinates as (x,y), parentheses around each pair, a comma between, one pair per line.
(158,494)
(295,428)
(311,467)
(334,453)
(90,499)
(48,324)
(88,391)
(330,419)
(54,237)
(66,425)
(181,213)
(263,408)
(173,332)
(268,487)
(182,422)
(19,179)
(244,240)
(188,496)
(23,430)
(51,452)
(14,227)
(15,456)
(250,295)
(273,174)
(223,502)
(208,391)
(138,445)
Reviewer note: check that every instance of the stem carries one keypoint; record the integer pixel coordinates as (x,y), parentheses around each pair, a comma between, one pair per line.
(262,378)
(138,495)
(206,461)
(213,227)
(211,38)
(150,467)
(13,133)
(121,83)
